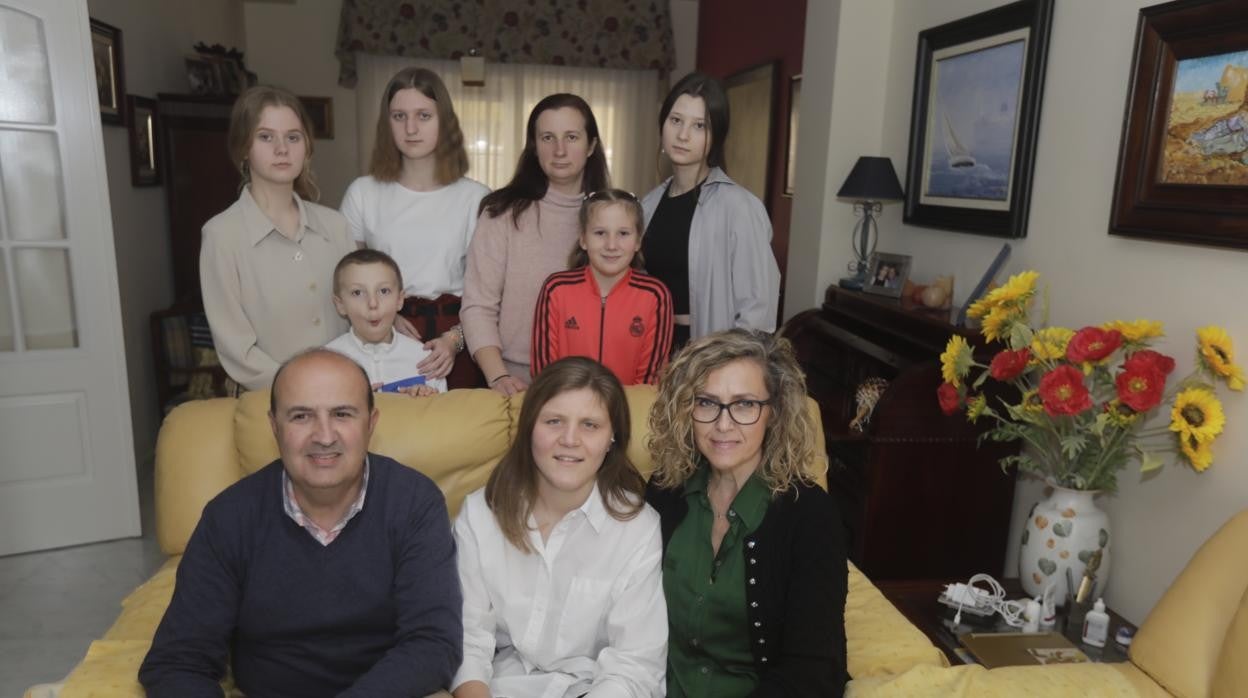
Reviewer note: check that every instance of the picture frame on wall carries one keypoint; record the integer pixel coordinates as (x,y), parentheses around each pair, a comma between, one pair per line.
(970,167)
(110,75)
(144,156)
(321,111)
(747,150)
(790,153)
(1183,158)
(887,274)
(203,76)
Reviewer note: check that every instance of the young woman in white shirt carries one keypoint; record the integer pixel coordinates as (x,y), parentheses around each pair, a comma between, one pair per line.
(559,557)
(416,205)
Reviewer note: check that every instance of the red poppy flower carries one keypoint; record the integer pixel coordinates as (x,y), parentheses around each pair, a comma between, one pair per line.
(1093,344)
(1140,387)
(949,400)
(1008,365)
(1062,391)
(1148,357)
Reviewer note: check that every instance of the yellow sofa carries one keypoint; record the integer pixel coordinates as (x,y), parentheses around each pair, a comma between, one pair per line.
(1193,643)
(454,438)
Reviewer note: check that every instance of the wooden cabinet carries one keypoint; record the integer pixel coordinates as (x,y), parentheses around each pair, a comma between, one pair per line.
(921,497)
(200,179)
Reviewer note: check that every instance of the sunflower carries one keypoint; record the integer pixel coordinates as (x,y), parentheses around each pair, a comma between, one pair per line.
(1217,354)
(1031,402)
(956,361)
(1198,453)
(1197,414)
(1017,292)
(1049,343)
(996,325)
(1120,415)
(1136,330)
(976,406)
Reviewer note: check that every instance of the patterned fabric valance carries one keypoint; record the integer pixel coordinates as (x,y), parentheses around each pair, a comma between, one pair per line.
(634,34)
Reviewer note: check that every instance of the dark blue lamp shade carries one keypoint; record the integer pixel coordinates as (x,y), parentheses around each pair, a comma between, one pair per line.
(872,179)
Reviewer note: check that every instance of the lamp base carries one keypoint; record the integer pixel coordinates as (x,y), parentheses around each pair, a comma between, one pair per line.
(854,283)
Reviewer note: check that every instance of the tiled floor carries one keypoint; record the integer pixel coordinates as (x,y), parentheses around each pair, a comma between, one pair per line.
(53,604)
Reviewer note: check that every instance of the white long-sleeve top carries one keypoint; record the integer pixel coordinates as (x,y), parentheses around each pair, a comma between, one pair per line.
(584,614)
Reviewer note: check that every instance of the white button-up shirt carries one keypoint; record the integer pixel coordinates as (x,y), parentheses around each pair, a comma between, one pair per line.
(584,614)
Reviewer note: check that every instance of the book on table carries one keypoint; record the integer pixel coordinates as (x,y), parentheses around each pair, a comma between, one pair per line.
(1020,649)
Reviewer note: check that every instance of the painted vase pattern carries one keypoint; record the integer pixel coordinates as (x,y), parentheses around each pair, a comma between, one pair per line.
(1063,532)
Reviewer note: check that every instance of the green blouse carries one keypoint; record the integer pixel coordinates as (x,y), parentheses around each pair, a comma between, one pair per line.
(708,652)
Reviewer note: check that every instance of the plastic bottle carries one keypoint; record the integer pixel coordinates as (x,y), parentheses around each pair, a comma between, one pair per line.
(1096,625)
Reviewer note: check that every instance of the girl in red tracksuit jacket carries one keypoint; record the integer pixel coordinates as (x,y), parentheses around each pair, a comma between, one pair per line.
(604,307)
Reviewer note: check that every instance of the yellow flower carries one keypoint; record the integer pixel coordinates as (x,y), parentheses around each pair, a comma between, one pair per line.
(996,325)
(956,361)
(1049,343)
(1218,355)
(1197,414)
(1032,403)
(1137,330)
(976,406)
(1017,291)
(1198,453)
(1120,415)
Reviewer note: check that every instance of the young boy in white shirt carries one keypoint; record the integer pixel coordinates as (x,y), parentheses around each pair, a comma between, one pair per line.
(368,291)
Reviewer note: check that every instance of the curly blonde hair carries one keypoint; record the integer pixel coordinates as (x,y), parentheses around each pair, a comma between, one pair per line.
(790,454)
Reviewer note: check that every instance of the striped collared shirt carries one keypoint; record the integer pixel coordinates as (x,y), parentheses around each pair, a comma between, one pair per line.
(296,514)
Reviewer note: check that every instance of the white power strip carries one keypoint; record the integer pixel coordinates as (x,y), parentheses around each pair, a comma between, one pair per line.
(969,599)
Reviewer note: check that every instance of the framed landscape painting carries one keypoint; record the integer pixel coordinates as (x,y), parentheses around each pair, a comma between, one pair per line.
(1183,158)
(977,90)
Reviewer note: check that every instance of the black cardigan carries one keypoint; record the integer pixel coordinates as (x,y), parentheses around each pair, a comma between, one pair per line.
(796,582)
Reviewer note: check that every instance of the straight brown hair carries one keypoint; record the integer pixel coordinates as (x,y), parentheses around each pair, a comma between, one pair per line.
(244,118)
(450,155)
(511,492)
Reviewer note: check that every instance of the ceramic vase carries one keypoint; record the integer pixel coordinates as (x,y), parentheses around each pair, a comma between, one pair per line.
(1062,533)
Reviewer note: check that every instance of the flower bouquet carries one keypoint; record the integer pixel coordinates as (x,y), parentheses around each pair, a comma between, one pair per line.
(1085,397)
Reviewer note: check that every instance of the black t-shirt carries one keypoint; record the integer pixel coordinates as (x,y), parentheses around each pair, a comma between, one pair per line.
(666,245)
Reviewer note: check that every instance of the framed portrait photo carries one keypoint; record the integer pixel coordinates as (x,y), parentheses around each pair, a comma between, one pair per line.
(110,77)
(144,157)
(887,274)
(321,111)
(747,150)
(1183,159)
(974,120)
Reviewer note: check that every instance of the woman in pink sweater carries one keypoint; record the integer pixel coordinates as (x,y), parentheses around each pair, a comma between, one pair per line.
(525,232)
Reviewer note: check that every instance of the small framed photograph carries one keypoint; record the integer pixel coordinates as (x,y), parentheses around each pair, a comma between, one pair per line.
(887,274)
(144,157)
(321,111)
(110,77)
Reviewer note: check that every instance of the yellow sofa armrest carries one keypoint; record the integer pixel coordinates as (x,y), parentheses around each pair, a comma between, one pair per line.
(879,640)
(195,460)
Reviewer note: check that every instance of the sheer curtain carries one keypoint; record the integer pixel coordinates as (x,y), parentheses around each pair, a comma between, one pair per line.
(493,117)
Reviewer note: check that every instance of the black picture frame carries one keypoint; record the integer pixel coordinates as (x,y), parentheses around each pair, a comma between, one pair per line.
(891,285)
(990,195)
(321,111)
(110,74)
(752,96)
(144,118)
(1168,187)
(790,151)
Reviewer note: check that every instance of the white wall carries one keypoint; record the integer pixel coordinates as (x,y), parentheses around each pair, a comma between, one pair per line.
(156,34)
(685,37)
(1091,276)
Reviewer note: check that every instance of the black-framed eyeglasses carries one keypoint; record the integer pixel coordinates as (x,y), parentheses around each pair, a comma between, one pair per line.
(744,412)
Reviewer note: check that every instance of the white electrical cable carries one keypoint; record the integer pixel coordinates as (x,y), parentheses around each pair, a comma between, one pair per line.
(1011,611)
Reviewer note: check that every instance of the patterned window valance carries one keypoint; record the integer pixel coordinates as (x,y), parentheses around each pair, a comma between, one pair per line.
(634,34)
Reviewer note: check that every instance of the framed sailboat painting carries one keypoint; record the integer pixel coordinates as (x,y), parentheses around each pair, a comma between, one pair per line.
(974,120)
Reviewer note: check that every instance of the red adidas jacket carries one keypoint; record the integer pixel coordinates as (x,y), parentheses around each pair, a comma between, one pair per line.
(629,331)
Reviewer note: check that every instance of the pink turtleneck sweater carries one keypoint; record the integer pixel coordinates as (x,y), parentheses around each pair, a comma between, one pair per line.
(507,265)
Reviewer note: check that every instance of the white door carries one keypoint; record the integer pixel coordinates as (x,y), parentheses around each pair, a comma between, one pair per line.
(66,454)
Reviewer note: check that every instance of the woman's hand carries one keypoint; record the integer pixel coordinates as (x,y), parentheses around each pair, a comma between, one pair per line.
(441,357)
(404,326)
(508,385)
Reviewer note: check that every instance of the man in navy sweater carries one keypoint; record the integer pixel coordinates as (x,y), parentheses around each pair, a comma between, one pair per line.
(329,572)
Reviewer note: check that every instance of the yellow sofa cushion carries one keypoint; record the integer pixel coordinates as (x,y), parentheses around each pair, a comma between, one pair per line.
(1230,677)
(1083,680)
(1181,639)
(878,638)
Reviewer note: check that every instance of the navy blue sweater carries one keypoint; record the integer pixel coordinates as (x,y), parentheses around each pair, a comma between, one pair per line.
(375,613)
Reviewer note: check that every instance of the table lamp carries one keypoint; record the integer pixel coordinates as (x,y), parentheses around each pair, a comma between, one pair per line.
(871,183)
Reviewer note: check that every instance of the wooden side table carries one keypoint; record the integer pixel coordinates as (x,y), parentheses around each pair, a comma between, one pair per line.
(916,599)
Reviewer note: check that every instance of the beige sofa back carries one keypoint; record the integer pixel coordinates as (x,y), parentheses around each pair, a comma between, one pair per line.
(454,438)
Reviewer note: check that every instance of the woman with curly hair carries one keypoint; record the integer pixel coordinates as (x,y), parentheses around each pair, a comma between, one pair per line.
(754,566)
